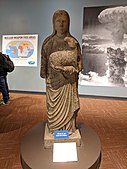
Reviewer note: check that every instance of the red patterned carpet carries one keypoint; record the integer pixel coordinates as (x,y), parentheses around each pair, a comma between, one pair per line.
(108,117)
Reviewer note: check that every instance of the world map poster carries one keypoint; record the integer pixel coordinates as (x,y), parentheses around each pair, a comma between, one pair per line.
(22,49)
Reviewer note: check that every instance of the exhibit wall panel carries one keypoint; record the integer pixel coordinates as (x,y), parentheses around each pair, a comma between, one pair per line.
(35,17)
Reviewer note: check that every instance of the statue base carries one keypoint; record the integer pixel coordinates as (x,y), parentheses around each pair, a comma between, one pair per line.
(49,138)
(35,156)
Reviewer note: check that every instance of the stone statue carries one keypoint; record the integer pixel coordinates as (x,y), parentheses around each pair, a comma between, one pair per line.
(61,63)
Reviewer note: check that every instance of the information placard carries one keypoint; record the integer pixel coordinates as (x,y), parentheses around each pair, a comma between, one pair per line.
(61,134)
(65,152)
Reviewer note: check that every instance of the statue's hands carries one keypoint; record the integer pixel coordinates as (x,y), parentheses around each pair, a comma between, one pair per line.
(69,69)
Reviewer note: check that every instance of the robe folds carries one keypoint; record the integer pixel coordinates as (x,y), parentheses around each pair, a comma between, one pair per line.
(62,99)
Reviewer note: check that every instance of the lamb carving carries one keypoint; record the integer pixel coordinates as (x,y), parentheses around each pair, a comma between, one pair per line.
(65,60)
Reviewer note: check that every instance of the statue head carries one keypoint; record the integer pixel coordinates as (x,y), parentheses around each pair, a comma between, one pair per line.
(61,22)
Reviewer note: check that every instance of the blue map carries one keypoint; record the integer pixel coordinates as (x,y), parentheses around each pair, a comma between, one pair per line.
(19,49)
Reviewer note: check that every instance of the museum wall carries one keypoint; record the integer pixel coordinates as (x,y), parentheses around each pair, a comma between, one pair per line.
(35,17)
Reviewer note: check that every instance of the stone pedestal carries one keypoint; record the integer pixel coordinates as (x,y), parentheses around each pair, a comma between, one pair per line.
(49,138)
(35,156)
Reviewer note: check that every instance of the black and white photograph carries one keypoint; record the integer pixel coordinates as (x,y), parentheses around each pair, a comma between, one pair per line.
(104,46)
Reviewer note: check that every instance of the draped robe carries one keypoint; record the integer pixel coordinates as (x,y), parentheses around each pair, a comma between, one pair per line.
(61,87)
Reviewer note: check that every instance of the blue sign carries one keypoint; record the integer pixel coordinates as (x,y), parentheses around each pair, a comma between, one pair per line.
(61,134)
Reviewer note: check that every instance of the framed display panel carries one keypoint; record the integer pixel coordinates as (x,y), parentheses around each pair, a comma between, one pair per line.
(22,49)
(104,46)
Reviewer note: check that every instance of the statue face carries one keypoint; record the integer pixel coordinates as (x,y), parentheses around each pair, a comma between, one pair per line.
(61,24)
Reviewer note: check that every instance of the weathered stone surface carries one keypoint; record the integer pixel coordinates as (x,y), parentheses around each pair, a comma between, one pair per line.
(61,62)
